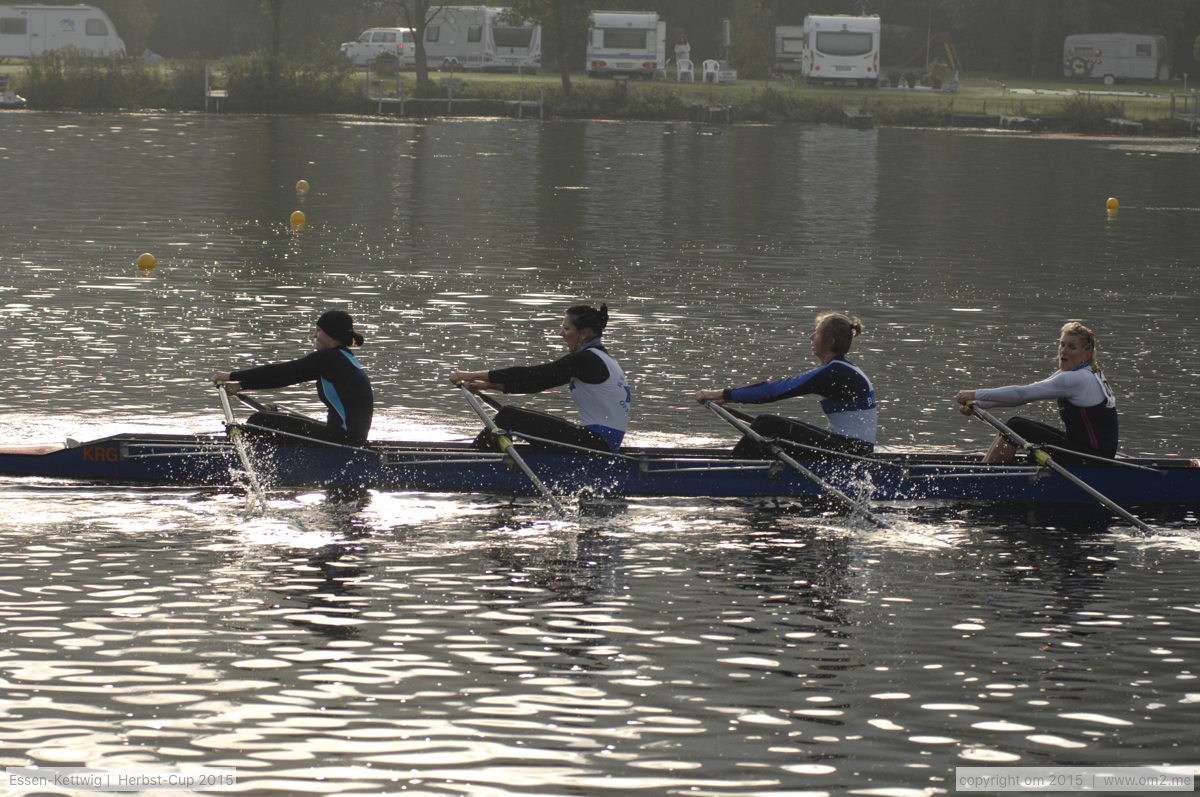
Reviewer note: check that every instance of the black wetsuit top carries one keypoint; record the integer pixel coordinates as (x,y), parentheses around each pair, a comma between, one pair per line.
(342,385)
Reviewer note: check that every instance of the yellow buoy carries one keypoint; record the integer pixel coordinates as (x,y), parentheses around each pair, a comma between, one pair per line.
(298,218)
(302,186)
(1112,204)
(146,261)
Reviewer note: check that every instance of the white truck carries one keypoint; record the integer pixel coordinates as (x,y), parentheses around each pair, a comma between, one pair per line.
(478,37)
(1116,56)
(374,42)
(27,31)
(626,43)
(840,49)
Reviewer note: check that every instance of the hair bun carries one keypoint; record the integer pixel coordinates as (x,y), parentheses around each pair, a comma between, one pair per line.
(592,316)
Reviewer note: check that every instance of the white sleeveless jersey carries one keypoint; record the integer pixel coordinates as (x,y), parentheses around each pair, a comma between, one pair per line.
(605,404)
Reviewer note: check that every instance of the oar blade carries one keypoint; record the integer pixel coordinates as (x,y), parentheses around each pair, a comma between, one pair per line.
(256,493)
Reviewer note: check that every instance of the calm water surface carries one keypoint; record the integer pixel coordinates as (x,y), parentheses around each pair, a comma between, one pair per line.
(422,644)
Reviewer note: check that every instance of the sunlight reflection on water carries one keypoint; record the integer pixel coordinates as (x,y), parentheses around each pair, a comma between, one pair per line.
(450,644)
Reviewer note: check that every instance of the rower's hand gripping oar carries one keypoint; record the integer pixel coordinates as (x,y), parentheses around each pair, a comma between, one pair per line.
(235,434)
(506,445)
(787,459)
(1043,458)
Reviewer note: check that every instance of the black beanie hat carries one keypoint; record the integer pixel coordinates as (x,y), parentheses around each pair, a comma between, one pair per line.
(338,325)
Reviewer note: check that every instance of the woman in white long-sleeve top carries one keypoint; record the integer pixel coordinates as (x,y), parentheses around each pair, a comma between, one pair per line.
(1085,403)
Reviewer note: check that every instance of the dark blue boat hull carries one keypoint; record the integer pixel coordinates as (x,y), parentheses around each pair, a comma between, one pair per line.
(707,473)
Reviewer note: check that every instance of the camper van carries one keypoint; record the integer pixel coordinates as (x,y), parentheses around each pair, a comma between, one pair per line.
(476,37)
(626,43)
(1116,56)
(841,48)
(789,49)
(28,31)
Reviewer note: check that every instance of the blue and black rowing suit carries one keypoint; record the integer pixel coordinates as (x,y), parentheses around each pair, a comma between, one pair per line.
(847,398)
(342,385)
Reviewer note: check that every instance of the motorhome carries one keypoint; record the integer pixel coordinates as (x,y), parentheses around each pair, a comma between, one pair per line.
(1116,56)
(27,31)
(626,43)
(841,48)
(789,49)
(478,37)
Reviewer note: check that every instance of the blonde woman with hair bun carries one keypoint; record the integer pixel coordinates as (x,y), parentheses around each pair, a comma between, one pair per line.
(847,396)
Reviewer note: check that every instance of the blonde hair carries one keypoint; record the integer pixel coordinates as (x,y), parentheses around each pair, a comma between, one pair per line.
(842,328)
(1077,329)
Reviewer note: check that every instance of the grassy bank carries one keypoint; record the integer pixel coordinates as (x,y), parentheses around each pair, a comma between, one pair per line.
(330,85)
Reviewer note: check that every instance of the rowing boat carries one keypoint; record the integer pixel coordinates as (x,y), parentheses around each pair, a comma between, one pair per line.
(212,460)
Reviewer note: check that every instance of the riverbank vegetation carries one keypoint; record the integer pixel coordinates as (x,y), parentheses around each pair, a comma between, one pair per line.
(327,83)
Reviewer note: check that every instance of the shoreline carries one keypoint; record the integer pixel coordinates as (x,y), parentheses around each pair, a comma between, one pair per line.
(1062,106)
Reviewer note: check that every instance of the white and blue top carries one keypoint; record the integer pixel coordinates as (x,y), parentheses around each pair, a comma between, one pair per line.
(597,384)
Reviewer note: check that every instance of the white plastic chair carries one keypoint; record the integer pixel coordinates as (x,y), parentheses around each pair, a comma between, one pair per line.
(712,71)
(683,71)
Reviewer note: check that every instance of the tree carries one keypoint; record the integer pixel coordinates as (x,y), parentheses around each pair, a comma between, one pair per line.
(416,14)
(274,11)
(753,44)
(563,22)
(133,20)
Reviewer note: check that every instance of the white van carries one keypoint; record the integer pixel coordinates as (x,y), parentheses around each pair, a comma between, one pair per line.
(1116,56)
(374,42)
(477,37)
(27,31)
(626,43)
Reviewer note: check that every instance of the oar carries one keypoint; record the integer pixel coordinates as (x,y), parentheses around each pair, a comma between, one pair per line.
(1043,458)
(787,459)
(235,434)
(506,445)
(491,402)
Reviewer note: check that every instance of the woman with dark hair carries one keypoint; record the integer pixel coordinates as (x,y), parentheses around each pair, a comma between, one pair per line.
(847,397)
(1085,403)
(597,383)
(342,385)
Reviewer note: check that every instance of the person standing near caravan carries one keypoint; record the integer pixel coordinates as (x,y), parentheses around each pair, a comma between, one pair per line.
(683,49)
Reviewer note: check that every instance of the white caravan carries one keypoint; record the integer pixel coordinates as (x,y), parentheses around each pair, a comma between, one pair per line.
(841,48)
(475,37)
(789,49)
(1116,56)
(28,31)
(626,43)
